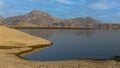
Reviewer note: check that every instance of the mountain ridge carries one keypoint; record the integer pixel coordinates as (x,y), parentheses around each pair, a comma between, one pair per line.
(38,18)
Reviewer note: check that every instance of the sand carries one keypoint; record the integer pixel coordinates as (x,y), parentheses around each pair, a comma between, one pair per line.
(14,38)
(13,61)
(13,43)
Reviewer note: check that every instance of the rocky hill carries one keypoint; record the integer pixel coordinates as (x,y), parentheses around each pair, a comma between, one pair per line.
(1,19)
(81,22)
(38,18)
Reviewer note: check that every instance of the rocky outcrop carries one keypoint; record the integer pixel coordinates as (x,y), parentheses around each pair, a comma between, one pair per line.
(81,22)
(38,18)
(34,18)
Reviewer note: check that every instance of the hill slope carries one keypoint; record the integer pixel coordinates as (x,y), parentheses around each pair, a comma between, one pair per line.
(38,18)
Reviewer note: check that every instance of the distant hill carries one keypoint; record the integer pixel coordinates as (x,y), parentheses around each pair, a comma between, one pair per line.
(81,22)
(38,18)
(1,19)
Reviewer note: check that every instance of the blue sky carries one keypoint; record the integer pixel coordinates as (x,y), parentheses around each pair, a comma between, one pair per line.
(103,10)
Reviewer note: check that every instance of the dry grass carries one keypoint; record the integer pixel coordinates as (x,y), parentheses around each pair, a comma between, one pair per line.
(12,37)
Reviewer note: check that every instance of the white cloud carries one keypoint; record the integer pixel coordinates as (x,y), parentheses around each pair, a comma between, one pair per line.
(64,1)
(103,5)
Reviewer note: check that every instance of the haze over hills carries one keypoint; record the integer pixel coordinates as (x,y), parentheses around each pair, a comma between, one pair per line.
(38,18)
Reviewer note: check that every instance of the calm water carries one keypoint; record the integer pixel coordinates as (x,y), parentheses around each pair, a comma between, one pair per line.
(72,44)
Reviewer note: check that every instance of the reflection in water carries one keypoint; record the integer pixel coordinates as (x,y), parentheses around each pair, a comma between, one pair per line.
(70,44)
(47,33)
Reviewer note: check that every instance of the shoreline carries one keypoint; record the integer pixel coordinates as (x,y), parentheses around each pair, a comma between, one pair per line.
(34,49)
(12,48)
(39,27)
(16,61)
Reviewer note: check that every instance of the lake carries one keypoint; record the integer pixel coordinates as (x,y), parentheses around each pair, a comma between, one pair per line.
(74,44)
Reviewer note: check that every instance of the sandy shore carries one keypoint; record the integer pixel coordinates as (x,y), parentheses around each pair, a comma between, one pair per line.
(9,59)
(10,53)
(13,61)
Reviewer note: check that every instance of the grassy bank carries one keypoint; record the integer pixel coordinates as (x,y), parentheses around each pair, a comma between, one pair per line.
(39,27)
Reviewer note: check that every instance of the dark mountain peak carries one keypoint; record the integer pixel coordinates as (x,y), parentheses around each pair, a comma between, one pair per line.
(36,11)
(79,18)
(89,18)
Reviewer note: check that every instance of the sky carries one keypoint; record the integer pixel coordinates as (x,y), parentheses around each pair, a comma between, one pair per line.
(103,10)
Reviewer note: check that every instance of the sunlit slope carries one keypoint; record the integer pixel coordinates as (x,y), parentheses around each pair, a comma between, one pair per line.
(14,38)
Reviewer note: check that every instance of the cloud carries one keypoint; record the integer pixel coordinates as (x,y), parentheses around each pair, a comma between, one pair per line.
(64,1)
(2,4)
(103,5)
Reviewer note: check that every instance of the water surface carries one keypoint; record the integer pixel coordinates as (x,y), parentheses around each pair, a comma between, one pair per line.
(72,44)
